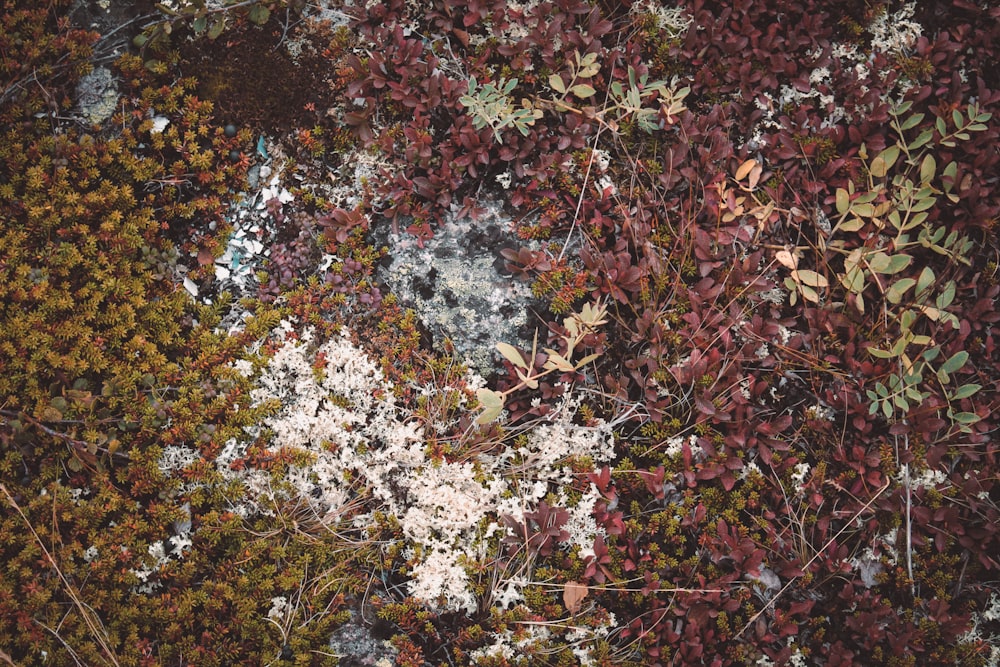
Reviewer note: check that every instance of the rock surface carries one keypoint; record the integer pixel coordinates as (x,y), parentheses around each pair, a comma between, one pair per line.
(457,285)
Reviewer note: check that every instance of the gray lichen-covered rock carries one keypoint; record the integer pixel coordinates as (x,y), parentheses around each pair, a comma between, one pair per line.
(457,286)
(97,93)
(355,644)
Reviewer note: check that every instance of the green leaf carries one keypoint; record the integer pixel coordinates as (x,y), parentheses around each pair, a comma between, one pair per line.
(965,391)
(810,278)
(928,168)
(854,280)
(956,118)
(883,263)
(922,139)
(906,320)
(950,173)
(923,204)
(940,126)
(887,409)
(583,90)
(586,360)
(947,295)
(557,84)
(587,60)
(492,404)
(862,210)
(808,293)
(931,354)
(529,382)
(976,127)
(912,121)
(852,225)
(843,201)
(898,263)
(955,362)
(218,25)
(965,417)
(167,10)
(868,197)
(51,414)
(896,290)
(512,354)
(915,221)
(883,162)
(880,353)
(557,362)
(199,24)
(894,219)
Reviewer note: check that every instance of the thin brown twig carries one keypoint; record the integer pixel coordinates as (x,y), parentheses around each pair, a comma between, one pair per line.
(820,552)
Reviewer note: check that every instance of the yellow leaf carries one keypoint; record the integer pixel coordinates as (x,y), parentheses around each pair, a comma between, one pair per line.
(557,362)
(492,403)
(573,595)
(744,169)
(786,259)
(810,278)
(512,355)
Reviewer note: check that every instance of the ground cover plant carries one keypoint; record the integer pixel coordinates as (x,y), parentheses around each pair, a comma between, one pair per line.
(757,422)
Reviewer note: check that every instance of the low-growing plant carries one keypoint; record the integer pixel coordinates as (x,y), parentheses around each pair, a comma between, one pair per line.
(578,327)
(490,105)
(895,214)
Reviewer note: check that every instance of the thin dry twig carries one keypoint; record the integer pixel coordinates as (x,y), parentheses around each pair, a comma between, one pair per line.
(833,539)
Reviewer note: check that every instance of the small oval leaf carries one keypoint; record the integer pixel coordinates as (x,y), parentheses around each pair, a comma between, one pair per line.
(965,391)
(810,278)
(955,362)
(843,201)
(512,354)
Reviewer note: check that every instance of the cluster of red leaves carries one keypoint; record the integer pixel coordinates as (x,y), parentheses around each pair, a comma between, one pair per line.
(699,347)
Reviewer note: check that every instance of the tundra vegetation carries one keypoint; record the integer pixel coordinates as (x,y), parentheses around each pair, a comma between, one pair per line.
(756,426)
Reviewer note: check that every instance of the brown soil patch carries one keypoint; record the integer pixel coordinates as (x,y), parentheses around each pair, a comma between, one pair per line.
(249,76)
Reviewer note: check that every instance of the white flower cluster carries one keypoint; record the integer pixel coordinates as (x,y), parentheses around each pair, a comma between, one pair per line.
(178,545)
(674,20)
(336,406)
(891,34)
(928,479)
(975,633)
(796,659)
(820,411)
(896,33)
(675,445)
(279,608)
(505,646)
(799,475)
